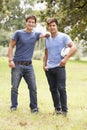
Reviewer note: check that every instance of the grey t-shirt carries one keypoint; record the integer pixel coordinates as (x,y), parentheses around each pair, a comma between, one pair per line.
(54,47)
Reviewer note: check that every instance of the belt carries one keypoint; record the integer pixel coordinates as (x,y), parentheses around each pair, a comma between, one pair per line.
(25,63)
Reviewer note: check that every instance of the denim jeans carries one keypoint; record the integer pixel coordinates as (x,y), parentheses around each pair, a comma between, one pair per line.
(57,82)
(27,72)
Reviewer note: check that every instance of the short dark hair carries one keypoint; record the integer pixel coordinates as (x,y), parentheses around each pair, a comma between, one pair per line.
(31,16)
(51,20)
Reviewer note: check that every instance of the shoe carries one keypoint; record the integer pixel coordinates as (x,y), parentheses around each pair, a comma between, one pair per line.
(58,111)
(13,108)
(64,113)
(35,110)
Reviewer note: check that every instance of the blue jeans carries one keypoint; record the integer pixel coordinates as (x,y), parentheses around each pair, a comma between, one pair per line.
(27,72)
(57,82)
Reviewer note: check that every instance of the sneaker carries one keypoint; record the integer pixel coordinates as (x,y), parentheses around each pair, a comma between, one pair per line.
(58,111)
(13,108)
(35,110)
(64,113)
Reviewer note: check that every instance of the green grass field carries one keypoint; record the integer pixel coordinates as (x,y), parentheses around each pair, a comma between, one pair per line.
(22,119)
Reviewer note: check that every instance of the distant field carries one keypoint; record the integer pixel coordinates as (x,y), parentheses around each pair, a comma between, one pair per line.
(22,119)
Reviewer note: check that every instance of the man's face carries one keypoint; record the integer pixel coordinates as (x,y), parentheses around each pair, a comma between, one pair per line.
(30,24)
(52,27)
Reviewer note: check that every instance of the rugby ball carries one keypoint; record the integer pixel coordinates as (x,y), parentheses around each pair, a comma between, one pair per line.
(65,51)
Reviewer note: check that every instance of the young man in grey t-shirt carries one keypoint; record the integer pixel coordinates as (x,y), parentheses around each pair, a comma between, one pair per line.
(54,64)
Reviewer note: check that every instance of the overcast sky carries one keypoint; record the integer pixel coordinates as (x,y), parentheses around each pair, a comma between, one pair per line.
(37,6)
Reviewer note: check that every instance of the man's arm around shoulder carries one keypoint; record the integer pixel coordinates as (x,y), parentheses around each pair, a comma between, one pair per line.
(44,35)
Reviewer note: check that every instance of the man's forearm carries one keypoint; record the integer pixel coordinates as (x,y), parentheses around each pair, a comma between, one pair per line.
(10,53)
(44,35)
(71,53)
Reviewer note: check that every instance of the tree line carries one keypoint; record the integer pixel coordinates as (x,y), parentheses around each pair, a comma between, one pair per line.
(71,15)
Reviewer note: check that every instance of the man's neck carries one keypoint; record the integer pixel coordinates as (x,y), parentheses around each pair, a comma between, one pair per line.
(54,34)
(27,30)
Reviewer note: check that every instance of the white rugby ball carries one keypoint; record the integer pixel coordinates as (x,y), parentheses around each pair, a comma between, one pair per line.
(65,51)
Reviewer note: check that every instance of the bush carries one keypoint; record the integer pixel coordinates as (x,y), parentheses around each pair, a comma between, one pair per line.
(3,51)
(5,37)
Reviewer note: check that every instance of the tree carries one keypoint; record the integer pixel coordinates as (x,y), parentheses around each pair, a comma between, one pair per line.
(1,5)
(13,13)
(75,16)
(71,14)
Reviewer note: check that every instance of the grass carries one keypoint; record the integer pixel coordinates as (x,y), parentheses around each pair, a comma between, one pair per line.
(22,119)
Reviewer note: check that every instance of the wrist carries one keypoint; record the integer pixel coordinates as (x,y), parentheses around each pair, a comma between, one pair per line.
(10,60)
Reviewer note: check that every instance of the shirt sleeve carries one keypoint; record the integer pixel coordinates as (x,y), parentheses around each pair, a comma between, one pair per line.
(15,36)
(37,35)
(67,39)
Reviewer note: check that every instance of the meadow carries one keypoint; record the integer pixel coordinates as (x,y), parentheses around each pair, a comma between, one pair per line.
(23,119)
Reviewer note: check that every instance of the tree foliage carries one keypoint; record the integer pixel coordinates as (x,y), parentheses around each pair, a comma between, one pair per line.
(13,13)
(1,5)
(71,14)
(75,12)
